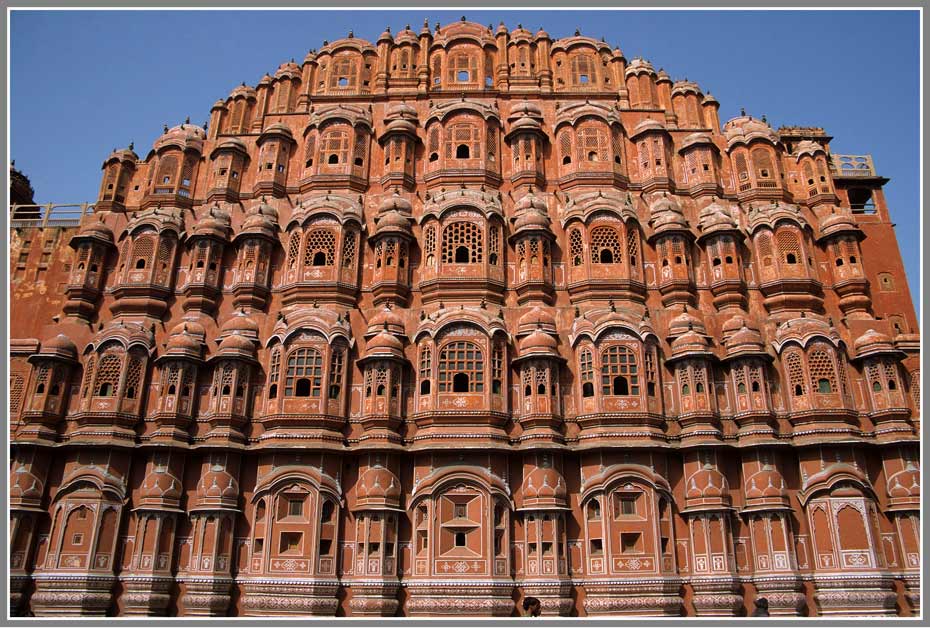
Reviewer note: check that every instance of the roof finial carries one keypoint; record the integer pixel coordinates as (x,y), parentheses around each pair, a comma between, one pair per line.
(187,120)
(742,111)
(131,145)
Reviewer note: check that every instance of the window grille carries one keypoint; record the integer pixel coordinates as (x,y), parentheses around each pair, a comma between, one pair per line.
(304,364)
(461,358)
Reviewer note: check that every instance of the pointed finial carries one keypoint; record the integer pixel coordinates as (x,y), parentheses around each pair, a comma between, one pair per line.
(187,120)
(742,111)
(164,128)
(463,18)
(764,118)
(131,145)
(613,307)
(577,32)
(351,34)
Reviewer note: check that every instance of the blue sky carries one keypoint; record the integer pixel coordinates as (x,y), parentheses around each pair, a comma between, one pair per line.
(84,82)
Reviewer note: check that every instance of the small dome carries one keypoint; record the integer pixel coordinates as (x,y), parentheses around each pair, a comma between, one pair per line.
(686,87)
(25,486)
(746,128)
(265,80)
(288,70)
(240,323)
(95,228)
(160,486)
(401,110)
(688,343)
(401,126)
(384,343)
(707,485)
(231,144)
(541,34)
(276,129)
(184,136)
(538,342)
(716,217)
(710,100)
(732,325)
(242,91)
(395,202)
(684,322)
(745,340)
(647,125)
(536,318)
(386,318)
(838,222)
(217,487)
(904,486)
(184,343)
(60,346)
(262,219)
(526,108)
(544,486)
(766,487)
(386,35)
(377,486)
(662,76)
(214,223)
(807,147)
(639,66)
(531,214)
(666,215)
(235,345)
(189,327)
(871,343)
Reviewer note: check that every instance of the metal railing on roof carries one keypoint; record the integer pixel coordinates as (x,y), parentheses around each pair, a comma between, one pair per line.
(49,215)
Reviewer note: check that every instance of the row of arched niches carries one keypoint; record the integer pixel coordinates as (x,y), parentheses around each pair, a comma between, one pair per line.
(466,348)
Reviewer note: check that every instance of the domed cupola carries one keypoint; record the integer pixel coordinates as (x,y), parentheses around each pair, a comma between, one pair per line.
(386,319)
(544,488)
(841,237)
(766,490)
(527,140)
(539,362)
(178,367)
(173,166)
(707,489)
(229,161)
(881,364)
(256,243)
(234,366)
(383,367)
(720,236)
(378,489)
(52,369)
(686,100)
(276,146)
(93,244)
(118,171)
(816,180)
(391,242)
(755,152)
(206,242)
(671,235)
(532,238)
(399,142)
(536,319)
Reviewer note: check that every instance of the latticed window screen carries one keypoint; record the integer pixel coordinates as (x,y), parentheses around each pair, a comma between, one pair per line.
(167,169)
(462,234)
(605,246)
(426,362)
(821,366)
(17,384)
(494,244)
(310,150)
(593,144)
(787,242)
(293,249)
(239,114)
(88,376)
(133,377)
(349,245)
(462,68)
(491,141)
(587,365)
(915,388)
(742,170)
(542,381)
(390,250)
(576,246)
(41,378)
(458,358)
(343,73)
(336,366)
(434,139)
(619,361)
(649,366)
(632,244)
(644,158)
(321,247)
(142,249)
(582,67)
(795,368)
(762,161)
(108,372)
(891,374)
(429,241)
(275,371)
(764,242)
(565,145)
(657,153)
(437,69)
(616,141)
(187,173)
(306,364)
(334,147)
(873,375)
(165,255)
(497,367)
(359,150)
(463,134)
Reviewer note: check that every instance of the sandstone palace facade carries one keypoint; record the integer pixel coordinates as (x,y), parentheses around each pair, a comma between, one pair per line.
(429,325)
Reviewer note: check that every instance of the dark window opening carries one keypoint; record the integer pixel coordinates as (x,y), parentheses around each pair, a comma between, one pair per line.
(462,255)
(741,388)
(755,387)
(823,386)
(171,389)
(273,391)
(621,386)
(541,389)
(651,389)
(791,259)
(728,259)
(334,391)
(131,392)
(424,387)
(891,386)
(699,387)
(40,389)
(462,151)
(140,263)
(319,258)
(460,539)
(302,389)
(566,160)
(226,389)
(716,261)
(496,386)
(433,156)
(798,390)
(358,161)
(460,382)
(877,386)
(839,261)
(380,390)
(685,389)
(333,159)
(528,391)
(607,257)
(592,156)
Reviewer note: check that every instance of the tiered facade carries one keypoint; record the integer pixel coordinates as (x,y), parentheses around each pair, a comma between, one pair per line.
(430,325)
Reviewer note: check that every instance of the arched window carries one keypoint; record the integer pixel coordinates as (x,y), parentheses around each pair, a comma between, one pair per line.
(108,374)
(462,243)
(565,146)
(426,369)
(605,246)
(463,141)
(742,170)
(793,366)
(304,373)
(822,368)
(462,68)
(335,147)
(788,246)
(619,372)
(320,249)
(343,73)
(461,368)
(593,144)
(582,68)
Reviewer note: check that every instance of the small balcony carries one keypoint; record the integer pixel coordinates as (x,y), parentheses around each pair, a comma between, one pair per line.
(852,166)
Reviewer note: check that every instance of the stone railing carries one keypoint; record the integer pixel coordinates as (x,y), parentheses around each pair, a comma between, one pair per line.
(49,215)
(852,166)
